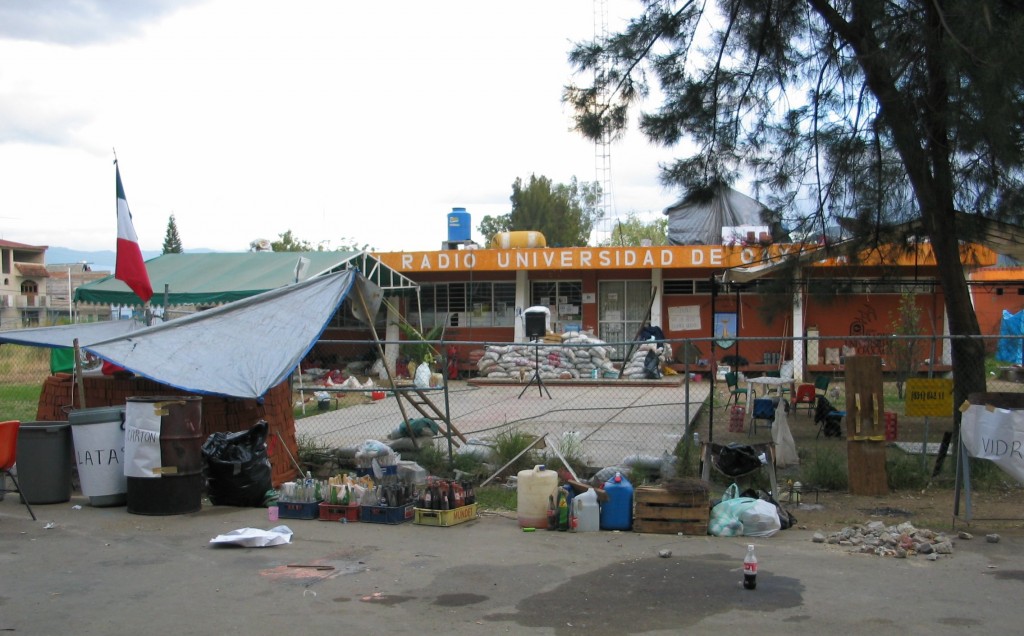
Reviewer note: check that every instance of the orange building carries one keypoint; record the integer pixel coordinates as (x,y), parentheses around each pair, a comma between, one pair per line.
(481,294)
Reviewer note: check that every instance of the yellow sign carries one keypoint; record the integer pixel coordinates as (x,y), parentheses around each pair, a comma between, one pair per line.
(929,397)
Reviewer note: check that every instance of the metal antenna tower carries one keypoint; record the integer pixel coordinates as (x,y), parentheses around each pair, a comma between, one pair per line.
(603,146)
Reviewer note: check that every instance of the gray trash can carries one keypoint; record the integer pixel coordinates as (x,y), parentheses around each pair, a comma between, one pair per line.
(44,462)
(99,453)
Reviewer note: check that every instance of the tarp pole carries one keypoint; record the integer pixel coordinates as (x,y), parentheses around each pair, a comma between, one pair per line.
(78,377)
(391,378)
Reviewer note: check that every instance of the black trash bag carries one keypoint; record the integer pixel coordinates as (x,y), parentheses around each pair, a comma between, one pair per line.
(825,412)
(238,467)
(736,460)
(652,366)
(651,332)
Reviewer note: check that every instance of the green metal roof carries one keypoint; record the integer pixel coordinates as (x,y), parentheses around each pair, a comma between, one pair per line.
(215,278)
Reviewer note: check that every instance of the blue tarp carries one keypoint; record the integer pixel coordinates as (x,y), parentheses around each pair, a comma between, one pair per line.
(1010,348)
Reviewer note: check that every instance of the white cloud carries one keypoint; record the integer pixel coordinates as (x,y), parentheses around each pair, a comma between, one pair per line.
(332,119)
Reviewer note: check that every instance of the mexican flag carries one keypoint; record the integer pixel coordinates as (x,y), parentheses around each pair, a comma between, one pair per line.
(130,267)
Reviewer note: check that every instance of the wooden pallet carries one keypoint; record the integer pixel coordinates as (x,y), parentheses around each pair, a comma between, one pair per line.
(658,511)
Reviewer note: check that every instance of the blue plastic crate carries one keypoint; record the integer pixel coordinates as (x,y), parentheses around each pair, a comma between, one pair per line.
(382,514)
(298,510)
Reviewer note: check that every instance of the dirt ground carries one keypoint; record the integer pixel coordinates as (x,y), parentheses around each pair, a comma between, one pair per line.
(996,506)
(999,512)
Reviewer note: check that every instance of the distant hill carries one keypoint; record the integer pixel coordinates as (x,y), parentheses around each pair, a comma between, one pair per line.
(99,261)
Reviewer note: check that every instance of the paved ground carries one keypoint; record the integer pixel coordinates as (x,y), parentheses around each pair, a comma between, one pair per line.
(105,571)
(612,419)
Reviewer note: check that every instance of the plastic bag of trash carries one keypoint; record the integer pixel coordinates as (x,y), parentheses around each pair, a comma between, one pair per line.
(652,366)
(237,467)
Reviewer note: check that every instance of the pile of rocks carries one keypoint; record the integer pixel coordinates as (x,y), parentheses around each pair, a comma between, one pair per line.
(565,357)
(899,541)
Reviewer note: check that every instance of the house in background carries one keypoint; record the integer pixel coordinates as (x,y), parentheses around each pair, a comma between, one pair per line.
(24,301)
(64,279)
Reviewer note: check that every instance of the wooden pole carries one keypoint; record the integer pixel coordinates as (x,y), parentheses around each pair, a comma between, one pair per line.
(391,379)
(78,377)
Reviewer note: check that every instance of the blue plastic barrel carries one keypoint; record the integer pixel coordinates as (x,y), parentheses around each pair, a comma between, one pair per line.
(617,512)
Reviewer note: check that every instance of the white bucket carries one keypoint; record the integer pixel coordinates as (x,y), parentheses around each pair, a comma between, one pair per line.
(99,453)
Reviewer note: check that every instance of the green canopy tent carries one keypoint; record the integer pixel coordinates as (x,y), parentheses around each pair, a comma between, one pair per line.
(207,279)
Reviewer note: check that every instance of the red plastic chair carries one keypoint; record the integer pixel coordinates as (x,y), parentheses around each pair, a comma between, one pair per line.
(807,393)
(9,454)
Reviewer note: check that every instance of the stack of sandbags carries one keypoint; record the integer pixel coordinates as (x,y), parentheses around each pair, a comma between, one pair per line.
(568,356)
(634,368)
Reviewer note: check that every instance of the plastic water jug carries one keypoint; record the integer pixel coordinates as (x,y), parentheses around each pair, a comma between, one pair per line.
(617,512)
(535,488)
(587,511)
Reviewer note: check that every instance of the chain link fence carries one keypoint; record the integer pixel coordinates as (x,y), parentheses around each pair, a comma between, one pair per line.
(598,399)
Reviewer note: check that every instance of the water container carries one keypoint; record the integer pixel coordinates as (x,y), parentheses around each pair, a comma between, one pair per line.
(98,434)
(617,512)
(587,511)
(459,225)
(164,454)
(535,488)
(44,462)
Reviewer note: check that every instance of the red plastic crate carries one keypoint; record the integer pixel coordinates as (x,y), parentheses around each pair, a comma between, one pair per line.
(337,512)
(737,414)
(891,426)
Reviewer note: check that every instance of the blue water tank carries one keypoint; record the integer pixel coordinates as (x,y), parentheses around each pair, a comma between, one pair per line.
(459,225)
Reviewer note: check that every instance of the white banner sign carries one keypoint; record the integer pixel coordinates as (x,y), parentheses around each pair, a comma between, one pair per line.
(996,435)
(142,439)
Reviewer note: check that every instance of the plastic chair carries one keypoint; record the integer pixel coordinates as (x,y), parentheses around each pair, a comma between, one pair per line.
(9,454)
(781,389)
(735,391)
(764,409)
(807,393)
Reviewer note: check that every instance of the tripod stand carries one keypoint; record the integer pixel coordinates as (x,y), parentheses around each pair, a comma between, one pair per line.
(541,388)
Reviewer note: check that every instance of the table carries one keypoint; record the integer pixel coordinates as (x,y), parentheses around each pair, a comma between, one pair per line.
(767,382)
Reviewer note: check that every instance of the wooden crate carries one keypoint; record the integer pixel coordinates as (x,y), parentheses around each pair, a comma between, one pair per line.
(658,511)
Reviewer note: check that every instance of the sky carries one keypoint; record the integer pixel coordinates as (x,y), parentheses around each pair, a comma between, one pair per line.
(350,122)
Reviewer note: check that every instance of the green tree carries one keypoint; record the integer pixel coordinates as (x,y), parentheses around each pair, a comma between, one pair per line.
(286,242)
(491,225)
(564,213)
(634,230)
(346,244)
(883,111)
(172,242)
(903,351)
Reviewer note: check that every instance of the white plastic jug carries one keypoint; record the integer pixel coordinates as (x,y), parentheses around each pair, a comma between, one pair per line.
(587,511)
(534,489)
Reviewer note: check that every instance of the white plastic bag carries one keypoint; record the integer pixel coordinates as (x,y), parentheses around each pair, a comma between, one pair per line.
(422,378)
(760,519)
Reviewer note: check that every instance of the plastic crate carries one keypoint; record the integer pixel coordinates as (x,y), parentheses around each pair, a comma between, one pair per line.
(891,427)
(298,510)
(445,518)
(381,514)
(337,512)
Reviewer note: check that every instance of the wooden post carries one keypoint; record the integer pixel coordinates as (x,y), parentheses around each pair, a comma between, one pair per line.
(865,426)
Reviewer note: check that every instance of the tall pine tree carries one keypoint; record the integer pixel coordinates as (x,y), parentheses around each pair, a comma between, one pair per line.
(172,242)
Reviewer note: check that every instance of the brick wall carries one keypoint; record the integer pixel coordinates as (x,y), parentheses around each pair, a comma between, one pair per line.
(219,413)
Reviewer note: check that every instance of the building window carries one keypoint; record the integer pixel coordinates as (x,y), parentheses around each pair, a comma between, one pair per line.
(476,304)
(622,310)
(563,298)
